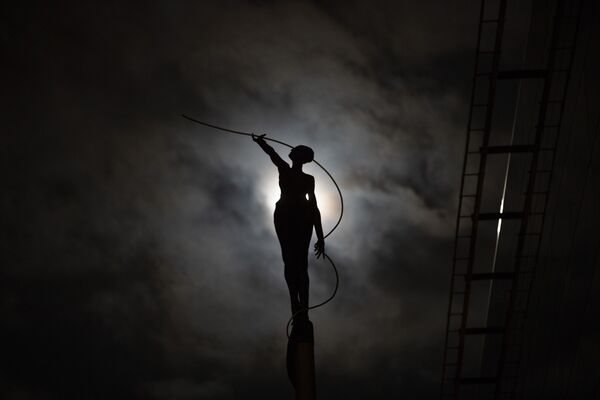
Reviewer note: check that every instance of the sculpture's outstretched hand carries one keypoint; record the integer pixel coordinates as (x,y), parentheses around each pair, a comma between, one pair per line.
(320,248)
(258,138)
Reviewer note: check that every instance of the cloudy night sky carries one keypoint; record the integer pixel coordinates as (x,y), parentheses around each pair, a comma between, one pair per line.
(139,257)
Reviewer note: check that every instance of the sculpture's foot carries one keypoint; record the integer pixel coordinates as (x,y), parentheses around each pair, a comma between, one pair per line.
(300,318)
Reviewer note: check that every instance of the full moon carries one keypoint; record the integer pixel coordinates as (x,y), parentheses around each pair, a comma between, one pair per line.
(327,199)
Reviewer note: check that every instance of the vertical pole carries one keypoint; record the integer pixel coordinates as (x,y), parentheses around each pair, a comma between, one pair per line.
(301,360)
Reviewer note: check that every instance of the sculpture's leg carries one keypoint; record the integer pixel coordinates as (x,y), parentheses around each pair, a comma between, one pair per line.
(303,293)
(292,283)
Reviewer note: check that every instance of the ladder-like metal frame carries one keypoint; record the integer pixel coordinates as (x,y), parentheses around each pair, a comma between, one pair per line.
(469,208)
(512,345)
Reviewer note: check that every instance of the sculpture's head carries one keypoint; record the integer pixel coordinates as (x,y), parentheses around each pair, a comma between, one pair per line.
(302,154)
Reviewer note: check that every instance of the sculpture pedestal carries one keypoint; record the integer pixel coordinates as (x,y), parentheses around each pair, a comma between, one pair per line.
(301,360)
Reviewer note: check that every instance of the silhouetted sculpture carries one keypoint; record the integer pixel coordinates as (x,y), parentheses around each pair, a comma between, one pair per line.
(296,213)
